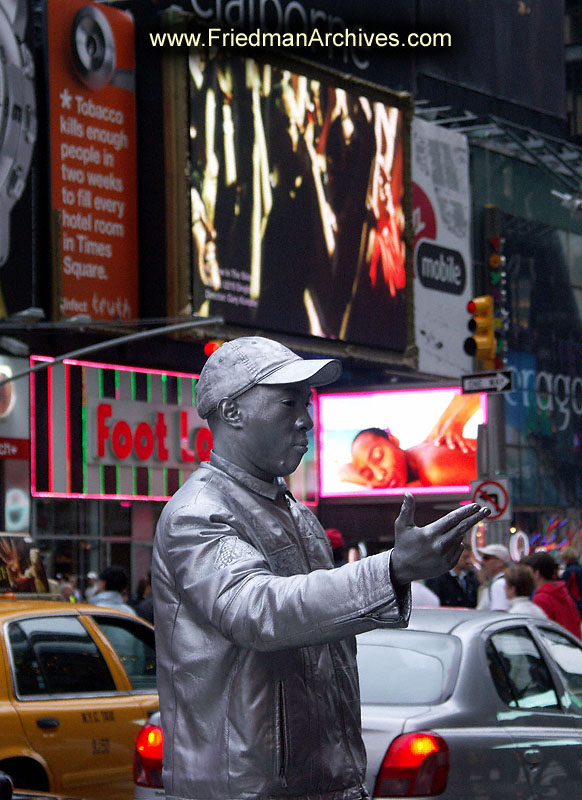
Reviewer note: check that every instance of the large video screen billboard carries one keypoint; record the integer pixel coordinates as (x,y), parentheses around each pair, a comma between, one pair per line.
(298,198)
(387,442)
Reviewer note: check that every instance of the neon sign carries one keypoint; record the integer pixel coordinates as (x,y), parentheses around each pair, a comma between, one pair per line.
(113,432)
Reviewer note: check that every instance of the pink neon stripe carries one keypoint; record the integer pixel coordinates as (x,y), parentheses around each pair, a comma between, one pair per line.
(426,389)
(50,426)
(67,429)
(316,493)
(81,496)
(125,368)
(400,491)
(33,360)
(32,398)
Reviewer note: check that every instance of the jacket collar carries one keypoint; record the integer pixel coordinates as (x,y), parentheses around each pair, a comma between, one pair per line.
(272,491)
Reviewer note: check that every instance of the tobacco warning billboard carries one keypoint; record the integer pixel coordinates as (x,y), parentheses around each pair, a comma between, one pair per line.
(91,71)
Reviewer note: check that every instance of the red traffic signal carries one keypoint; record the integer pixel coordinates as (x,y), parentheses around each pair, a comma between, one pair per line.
(212,346)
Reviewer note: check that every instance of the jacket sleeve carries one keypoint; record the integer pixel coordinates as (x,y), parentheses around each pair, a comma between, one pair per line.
(227,582)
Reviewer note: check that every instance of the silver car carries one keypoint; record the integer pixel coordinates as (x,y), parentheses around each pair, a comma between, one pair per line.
(463,705)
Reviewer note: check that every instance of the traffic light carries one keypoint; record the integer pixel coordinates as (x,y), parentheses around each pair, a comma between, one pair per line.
(212,346)
(482,343)
(495,279)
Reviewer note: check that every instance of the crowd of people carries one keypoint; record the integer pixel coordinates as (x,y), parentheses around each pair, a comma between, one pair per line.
(539,585)
(109,587)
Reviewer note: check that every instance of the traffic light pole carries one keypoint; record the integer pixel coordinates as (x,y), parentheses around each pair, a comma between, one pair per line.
(491,458)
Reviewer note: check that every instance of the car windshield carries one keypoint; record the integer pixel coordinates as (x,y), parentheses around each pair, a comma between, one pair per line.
(408,667)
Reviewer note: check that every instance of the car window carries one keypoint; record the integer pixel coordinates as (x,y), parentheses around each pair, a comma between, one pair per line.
(411,667)
(519,672)
(568,657)
(134,644)
(56,655)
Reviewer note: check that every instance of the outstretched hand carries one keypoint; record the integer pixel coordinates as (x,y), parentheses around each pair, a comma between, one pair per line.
(434,549)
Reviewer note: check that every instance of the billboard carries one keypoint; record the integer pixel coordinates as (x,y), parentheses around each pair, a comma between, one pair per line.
(21,567)
(298,198)
(14,411)
(93,165)
(108,431)
(443,273)
(383,443)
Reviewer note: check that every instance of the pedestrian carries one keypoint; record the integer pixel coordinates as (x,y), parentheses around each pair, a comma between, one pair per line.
(572,575)
(74,581)
(256,665)
(551,594)
(91,589)
(67,592)
(338,547)
(144,608)
(519,588)
(142,590)
(458,587)
(494,560)
(422,596)
(111,584)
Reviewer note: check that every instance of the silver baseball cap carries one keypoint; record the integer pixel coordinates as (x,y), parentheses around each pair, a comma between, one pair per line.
(239,365)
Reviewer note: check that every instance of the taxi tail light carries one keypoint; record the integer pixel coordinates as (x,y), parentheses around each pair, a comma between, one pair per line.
(415,765)
(147,757)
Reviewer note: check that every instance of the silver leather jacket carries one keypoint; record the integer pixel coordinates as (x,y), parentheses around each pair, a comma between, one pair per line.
(255,643)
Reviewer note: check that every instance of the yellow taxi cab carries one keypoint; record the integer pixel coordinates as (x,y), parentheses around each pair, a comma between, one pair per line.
(77,682)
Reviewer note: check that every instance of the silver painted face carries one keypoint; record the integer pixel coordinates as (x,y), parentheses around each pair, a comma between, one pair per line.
(275,422)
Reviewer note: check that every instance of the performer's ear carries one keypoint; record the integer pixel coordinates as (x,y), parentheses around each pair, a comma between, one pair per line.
(229,412)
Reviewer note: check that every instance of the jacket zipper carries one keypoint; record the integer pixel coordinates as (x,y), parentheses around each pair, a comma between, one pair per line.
(282,729)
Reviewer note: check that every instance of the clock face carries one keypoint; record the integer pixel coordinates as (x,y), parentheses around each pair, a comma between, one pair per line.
(5,31)
(17,122)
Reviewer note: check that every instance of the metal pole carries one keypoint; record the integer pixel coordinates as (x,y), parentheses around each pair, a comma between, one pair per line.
(128,337)
(497,530)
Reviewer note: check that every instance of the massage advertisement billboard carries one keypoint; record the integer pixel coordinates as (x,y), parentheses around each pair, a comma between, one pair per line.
(298,203)
(382,443)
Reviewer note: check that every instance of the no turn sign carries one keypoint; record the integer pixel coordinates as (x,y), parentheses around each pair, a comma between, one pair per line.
(493,493)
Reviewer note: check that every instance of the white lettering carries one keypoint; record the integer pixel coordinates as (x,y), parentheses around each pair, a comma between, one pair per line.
(81,270)
(88,108)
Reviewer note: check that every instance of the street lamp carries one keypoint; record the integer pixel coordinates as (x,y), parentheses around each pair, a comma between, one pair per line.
(129,337)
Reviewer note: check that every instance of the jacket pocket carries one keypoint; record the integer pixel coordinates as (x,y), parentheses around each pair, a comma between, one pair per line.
(281,733)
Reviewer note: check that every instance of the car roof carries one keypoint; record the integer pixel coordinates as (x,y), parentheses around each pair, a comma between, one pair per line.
(11,606)
(448,620)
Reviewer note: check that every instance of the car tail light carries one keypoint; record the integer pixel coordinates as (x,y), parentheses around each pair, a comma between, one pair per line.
(415,765)
(147,757)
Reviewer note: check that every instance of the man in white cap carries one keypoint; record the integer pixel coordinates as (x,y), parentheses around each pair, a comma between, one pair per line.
(494,559)
(92,587)
(254,628)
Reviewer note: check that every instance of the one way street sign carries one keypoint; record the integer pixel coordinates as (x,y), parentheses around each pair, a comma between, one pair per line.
(488,382)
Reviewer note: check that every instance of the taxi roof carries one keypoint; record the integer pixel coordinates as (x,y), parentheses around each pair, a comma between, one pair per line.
(12,605)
